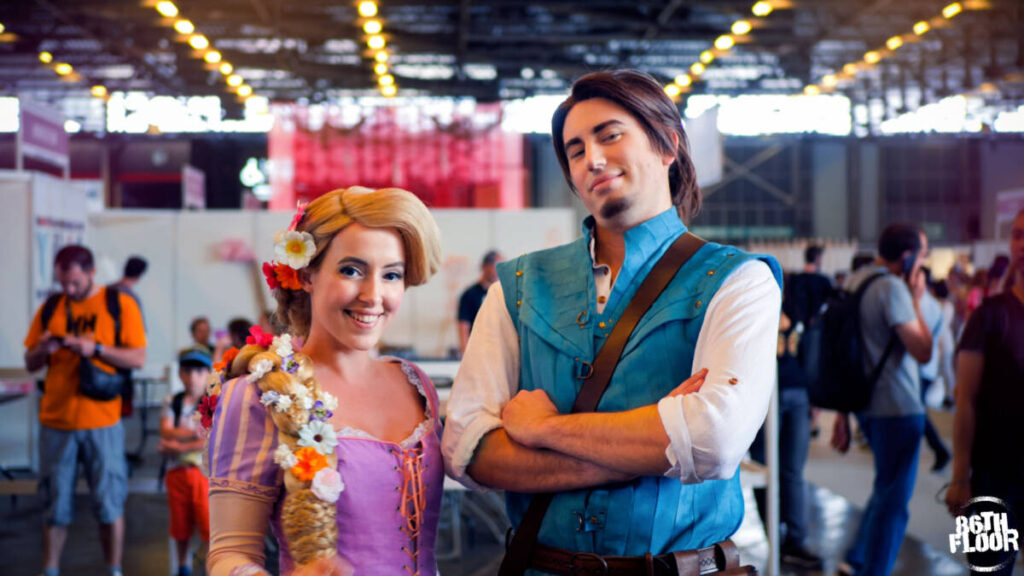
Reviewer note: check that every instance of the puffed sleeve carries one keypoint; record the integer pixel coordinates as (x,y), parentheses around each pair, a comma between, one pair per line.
(242,442)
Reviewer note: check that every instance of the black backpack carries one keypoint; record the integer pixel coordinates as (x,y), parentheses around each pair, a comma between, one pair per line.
(841,383)
(114,309)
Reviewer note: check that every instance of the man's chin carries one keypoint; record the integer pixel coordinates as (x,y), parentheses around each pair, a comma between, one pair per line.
(614,208)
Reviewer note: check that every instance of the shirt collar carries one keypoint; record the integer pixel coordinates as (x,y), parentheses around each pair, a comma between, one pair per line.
(642,240)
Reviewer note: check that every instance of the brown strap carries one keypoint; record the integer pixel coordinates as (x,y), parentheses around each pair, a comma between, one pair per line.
(524,540)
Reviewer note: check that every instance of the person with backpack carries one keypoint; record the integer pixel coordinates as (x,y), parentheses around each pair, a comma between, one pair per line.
(180,440)
(83,335)
(894,339)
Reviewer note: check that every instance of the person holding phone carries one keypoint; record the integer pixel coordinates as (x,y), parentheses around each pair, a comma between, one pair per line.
(890,315)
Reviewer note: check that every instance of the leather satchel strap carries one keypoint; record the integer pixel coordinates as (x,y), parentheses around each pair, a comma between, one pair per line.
(524,541)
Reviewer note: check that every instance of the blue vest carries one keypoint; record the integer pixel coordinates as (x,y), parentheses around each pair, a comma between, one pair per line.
(550,296)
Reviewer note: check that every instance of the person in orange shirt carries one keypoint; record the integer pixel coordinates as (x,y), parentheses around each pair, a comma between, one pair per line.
(73,427)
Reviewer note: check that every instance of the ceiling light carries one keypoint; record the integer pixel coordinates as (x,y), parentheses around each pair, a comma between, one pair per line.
(812,90)
(921,27)
(2,28)
(724,42)
(707,56)
(372,27)
(829,81)
(386,80)
(184,27)
(872,57)
(367,9)
(375,42)
(850,69)
(226,68)
(740,27)
(952,10)
(63,69)
(683,80)
(672,90)
(212,57)
(527,73)
(381,56)
(245,90)
(45,57)
(72,126)
(894,43)
(389,91)
(167,9)
(199,42)
(697,69)
(99,91)
(380,69)
(761,9)
(234,80)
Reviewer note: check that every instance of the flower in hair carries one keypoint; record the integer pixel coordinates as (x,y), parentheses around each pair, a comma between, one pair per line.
(284,458)
(294,248)
(259,338)
(281,276)
(300,211)
(330,402)
(290,365)
(320,412)
(283,403)
(261,369)
(327,485)
(269,398)
(309,462)
(282,345)
(319,436)
(226,360)
(207,406)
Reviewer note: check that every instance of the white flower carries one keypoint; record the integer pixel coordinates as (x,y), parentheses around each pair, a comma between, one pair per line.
(294,248)
(284,403)
(298,391)
(306,402)
(282,345)
(260,370)
(284,457)
(270,397)
(327,485)
(330,402)
(320,435)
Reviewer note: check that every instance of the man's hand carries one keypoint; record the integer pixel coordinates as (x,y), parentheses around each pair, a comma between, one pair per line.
(691,384)
(49,343)
(957,495)
(84,347)
(169,446)
(524,417)
(917,283)
(841,433)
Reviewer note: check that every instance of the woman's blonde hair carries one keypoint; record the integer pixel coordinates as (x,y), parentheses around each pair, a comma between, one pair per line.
(384,208)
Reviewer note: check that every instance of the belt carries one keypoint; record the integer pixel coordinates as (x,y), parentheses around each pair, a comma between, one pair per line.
(719,558)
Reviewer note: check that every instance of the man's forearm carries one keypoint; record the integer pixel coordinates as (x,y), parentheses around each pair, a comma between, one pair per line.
(963,439)
(501,463)
(36,358)
(123,357)
(631,442)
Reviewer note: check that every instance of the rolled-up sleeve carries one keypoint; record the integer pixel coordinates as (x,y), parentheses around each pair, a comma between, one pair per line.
(710,431)
(487,379)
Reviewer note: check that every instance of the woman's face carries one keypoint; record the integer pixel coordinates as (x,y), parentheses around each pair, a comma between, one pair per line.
(359,286)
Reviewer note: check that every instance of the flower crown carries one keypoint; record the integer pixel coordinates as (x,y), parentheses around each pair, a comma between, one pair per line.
(316,437)
(294,250)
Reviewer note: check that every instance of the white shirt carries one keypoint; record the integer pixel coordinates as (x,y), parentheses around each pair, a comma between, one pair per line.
(709,431)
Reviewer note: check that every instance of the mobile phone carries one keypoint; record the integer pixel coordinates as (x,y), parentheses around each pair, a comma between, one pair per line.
(219,335)
(908,266)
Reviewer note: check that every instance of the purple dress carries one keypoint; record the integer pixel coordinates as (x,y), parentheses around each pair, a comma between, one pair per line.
(387,514)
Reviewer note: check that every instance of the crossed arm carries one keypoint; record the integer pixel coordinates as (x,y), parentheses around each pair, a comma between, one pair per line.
(699,431)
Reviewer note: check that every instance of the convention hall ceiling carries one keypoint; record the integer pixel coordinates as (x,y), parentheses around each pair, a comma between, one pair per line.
(490,49)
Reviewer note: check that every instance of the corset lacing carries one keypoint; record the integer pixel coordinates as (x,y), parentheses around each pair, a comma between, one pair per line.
(413,502)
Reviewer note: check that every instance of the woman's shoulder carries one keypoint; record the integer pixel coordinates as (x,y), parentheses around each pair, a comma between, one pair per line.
(415,376)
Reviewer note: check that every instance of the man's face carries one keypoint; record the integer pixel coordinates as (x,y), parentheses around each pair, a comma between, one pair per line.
(621,179)
(491,270)
(75,282)
(201,334)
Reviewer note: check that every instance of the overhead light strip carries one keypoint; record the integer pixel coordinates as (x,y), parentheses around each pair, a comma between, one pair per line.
(376,42)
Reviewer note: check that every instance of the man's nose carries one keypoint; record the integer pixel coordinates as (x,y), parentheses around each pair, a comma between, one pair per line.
(595,159)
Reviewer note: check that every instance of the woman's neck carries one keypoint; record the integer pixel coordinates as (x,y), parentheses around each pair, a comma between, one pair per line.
(326,353)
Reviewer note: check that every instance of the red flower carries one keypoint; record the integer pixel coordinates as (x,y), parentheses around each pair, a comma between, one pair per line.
(300,212)
(287,277)
(207,406)
(268,273)
(258,338)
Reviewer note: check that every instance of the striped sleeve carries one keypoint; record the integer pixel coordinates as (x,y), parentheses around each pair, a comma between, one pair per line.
(242,443)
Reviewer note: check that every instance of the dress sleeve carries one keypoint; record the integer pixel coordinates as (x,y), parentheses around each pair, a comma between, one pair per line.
(241,444)
(973,338)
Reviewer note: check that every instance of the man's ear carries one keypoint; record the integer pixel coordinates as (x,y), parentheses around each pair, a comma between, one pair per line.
(669,158)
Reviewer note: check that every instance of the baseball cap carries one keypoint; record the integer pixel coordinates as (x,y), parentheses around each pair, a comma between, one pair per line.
(195,358)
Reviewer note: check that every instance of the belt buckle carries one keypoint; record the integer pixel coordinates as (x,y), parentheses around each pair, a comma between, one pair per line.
(601,570)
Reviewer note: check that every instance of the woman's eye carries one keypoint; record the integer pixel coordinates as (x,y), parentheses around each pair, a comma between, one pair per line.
(350,271)
(394,276)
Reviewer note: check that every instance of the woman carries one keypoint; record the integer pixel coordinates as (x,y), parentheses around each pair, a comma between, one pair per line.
(988,459)
(337,451)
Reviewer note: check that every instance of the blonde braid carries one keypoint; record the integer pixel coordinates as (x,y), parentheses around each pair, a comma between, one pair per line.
(309,524)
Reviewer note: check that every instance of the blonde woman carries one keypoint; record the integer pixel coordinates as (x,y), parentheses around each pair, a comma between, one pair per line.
(336,451)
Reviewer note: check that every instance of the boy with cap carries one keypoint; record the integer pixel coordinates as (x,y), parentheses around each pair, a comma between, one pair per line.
(179,439)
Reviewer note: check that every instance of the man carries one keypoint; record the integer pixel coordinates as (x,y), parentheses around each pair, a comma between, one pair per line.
(134,268)
(931,311)
(655,469)
(893,423)
(473,297)
(200,330)
(806,293)
(75,428)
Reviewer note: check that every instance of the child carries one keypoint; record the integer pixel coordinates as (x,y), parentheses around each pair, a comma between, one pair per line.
(186,485)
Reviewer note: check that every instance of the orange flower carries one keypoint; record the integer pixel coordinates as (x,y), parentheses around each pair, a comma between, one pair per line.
(310,462)
(287,277)
(229,357)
